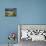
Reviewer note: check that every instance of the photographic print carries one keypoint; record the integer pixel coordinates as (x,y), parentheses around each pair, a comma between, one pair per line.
(10,11)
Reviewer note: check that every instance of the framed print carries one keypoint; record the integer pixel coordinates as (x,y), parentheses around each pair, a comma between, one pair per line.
(10,11)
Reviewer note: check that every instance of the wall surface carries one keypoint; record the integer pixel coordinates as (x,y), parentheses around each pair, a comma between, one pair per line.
(28,12)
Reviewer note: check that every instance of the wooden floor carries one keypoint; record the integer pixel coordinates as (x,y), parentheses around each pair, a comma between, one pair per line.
(30,43)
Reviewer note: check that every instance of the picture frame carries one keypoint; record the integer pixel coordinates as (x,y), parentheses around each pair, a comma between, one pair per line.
(10,12)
